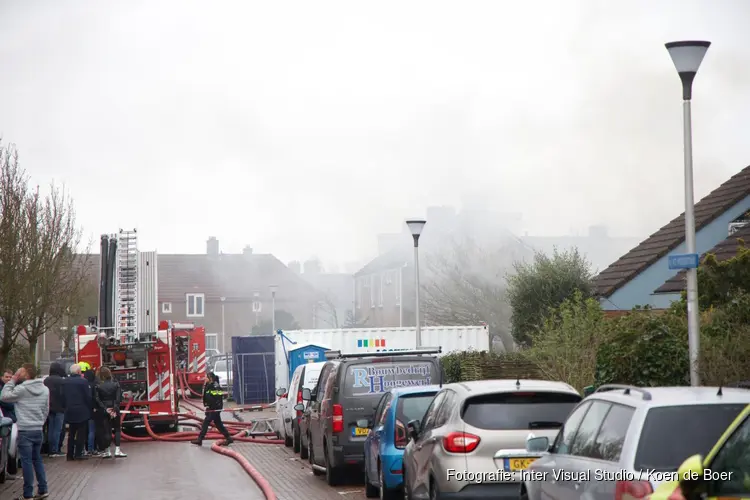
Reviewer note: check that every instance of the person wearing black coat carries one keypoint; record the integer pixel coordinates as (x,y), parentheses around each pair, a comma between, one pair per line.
(213,400)
(77,412)
(108,397)
(56,418)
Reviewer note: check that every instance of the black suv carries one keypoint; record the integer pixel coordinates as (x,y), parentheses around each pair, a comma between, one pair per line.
(348,390)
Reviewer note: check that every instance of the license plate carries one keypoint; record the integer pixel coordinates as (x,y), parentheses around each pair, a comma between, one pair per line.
(359,431)
(516,464)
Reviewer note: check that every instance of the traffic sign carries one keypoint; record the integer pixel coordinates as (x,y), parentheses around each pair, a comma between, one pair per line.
(683,261)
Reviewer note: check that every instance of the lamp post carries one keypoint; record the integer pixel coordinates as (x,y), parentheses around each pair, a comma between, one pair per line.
(273,308)
(416,226)
(687,57)
(223,333)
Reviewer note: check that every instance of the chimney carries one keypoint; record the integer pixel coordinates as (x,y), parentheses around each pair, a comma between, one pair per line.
(312,266)
(247,251)
(212,246)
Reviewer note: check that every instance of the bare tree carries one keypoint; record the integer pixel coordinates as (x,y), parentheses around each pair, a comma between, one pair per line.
(58,278)
(14,261)
(326,311)
(466,285)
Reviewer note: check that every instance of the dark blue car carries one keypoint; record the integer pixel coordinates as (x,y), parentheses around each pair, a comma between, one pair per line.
(384,447)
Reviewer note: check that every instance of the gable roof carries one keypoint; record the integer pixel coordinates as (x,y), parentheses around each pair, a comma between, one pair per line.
(397,257)
(234,276)
(725,250)
(670,236)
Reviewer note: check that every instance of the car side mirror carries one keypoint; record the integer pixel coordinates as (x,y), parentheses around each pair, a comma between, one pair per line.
(299,407)
(690,475)
(589,390)
(413,429)
(537,444)
(306,394)
(280,392)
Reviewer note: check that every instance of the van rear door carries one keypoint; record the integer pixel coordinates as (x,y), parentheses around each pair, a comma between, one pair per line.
(364,382)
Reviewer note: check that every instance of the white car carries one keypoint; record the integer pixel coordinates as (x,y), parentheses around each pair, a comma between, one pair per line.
(304,377)
(223,370)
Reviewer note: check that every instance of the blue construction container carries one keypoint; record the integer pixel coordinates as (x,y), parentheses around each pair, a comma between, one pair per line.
(253,369)
(305,353)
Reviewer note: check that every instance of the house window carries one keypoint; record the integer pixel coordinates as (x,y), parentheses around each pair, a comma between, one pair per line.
(372,290)
(166,307)
(397,286)
(358,294)
(195,303)
(212,341)
(380,289)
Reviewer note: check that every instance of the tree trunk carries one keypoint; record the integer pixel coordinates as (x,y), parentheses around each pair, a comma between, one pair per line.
(32,350)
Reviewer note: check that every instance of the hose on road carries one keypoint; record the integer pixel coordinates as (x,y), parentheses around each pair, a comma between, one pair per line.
(238,430)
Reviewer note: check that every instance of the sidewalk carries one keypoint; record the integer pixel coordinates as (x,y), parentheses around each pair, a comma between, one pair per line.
(155,470)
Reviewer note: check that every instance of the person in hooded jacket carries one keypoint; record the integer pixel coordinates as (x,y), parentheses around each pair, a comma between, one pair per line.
(56,419)
(108,397)
(31,398)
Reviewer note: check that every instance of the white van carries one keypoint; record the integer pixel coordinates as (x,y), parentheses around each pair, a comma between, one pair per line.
(304,377)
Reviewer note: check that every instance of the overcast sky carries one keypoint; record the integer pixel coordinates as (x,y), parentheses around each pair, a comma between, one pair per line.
(306,128)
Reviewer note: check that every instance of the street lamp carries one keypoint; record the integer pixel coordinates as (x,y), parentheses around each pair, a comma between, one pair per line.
(273,308)
(687,57)
(223,334)
(416,226)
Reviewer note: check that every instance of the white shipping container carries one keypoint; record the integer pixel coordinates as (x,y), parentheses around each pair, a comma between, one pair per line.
(353,340)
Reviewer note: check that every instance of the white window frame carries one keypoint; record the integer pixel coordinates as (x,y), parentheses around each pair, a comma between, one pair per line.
(196,313)
(358,290)
(372,291)
(215,337)
(166,308)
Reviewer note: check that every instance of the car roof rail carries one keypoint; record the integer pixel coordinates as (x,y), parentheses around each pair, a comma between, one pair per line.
(627,388)
(378,354)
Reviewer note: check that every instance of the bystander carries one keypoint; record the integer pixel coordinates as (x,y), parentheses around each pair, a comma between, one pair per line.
(31,399)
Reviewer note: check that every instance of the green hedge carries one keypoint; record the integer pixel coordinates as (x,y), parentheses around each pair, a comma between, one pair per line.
(464,366)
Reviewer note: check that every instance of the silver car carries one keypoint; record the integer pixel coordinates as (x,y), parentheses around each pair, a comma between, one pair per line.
(622,442)
(471,442)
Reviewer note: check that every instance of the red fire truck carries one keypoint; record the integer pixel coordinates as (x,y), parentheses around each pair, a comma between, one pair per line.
(143,366)
(191,360)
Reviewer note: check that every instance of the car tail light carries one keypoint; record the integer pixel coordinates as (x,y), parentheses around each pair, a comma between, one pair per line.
(338,419)
(460,442)
(629,490)
(285,395)
(299,402)
(400,437)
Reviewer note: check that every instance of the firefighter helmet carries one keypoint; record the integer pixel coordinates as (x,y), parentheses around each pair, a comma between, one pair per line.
(84,366)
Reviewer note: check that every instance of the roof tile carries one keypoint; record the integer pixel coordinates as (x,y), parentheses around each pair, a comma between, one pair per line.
(670,236)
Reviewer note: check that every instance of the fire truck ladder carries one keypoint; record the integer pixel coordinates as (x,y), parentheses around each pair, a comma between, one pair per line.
(127,286)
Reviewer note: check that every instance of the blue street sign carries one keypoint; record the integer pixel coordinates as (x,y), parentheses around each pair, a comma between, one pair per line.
(683,261)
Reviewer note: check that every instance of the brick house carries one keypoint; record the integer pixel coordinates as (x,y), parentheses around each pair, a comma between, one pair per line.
(230,293)
(384,290)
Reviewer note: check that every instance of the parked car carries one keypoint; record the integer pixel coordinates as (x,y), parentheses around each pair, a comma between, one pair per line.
(6,426)
(728,461)
(223,369)
(470,430)
(625,440)
(288,412)
(384,446)
(349,388)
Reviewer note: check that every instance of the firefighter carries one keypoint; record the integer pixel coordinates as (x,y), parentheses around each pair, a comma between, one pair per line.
(213,400)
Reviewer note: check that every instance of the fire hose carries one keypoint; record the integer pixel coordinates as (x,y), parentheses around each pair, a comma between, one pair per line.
(238,431)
